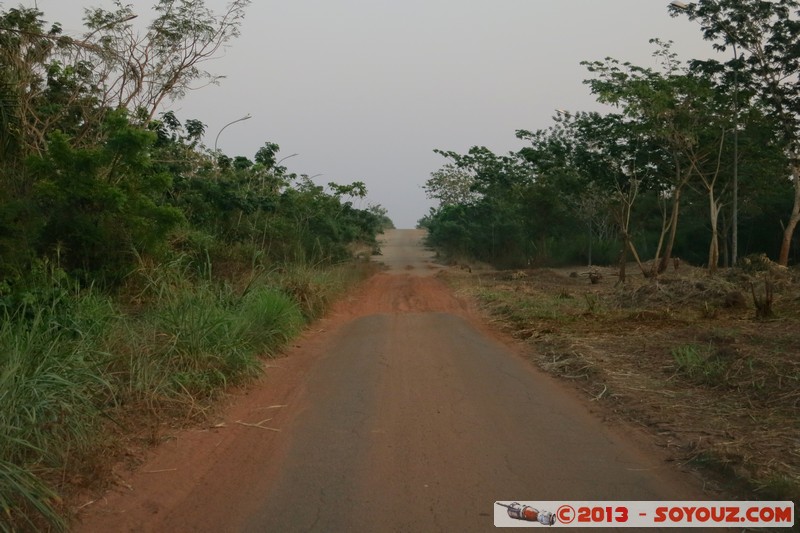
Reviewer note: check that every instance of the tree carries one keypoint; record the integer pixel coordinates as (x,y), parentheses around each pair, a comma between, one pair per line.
(494,225)
(451,185)
(102,205)
(768,33)
(566,155)
(140,71)
(681,112)
(51,81)
(611,159)
(382,215)
(38,90)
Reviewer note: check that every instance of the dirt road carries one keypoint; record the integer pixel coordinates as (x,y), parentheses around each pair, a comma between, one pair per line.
(401,412)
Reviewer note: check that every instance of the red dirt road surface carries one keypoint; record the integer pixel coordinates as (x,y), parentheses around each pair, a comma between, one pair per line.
(400,412)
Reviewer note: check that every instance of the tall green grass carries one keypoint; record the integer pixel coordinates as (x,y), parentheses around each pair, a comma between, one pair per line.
(269,319)
(197,336)
(314,288)
(51,380)
(71,358)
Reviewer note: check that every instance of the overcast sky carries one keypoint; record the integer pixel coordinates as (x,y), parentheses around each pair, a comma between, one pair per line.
(366,89)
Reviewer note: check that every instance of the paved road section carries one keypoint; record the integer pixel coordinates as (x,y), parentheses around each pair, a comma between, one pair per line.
(418,422)
(402,412)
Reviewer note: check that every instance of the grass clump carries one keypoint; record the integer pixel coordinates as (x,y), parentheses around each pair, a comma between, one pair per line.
(197,341)
(269,318)
(700,364)
(524,309)
(313,288)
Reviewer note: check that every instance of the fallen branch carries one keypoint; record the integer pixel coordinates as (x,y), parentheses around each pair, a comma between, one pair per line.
(87,504)
(258,425)
(605,388)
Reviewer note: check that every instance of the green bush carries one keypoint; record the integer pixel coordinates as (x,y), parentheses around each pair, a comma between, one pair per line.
(101,204)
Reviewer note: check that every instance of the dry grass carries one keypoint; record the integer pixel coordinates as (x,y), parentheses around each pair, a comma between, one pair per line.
(685,356)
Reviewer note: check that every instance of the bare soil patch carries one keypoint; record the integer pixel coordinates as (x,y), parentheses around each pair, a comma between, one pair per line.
(684,356)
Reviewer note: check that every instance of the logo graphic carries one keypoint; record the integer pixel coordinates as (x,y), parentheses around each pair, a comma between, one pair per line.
(643,514)
(529,514)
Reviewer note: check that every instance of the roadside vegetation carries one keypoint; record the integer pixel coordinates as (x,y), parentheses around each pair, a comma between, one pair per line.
(686,193)
(141,273)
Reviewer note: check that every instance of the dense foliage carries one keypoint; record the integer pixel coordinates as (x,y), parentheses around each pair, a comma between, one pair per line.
(92,185)
(696,159)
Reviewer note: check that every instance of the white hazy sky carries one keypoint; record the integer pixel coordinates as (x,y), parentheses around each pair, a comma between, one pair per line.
(366,89)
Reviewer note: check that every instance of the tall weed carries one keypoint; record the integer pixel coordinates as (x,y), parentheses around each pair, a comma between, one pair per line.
(51,380)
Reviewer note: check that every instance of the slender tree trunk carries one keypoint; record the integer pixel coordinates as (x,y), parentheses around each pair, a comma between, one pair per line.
(788,232)
(624,219)
(725,249)
(676,206)
(713,249)
(623,259)
(655,268)
(632,248)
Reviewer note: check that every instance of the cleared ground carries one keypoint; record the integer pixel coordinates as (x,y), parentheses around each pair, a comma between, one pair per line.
(684,357)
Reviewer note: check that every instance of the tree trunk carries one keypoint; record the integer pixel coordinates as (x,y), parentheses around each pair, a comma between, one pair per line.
(632,248)
(623,259)
(725,250)
(713,252)
(676,204)
(713,249)
(655,268)
(788,232)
